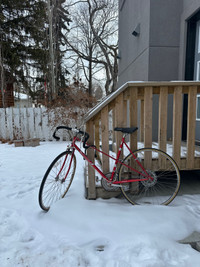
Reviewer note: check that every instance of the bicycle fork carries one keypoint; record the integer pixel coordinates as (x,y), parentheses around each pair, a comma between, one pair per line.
(63,180)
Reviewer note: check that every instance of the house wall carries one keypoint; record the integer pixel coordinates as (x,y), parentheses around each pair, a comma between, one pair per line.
(133,51)
(153,55)
(164,39)
(159,52)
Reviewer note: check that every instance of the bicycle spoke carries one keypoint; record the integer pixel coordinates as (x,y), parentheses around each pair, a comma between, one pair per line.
(163,184)
(55,184)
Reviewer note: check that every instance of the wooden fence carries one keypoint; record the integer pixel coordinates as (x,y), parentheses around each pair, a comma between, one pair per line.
(25,123)
(133,105)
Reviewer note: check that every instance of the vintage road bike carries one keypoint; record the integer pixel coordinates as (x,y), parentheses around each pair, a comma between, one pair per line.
(147,176)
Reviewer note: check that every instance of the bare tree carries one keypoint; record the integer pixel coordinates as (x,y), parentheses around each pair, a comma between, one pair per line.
(94,41)
(58,23)
(83,45)
(1,77)
(104,13)
(51,48)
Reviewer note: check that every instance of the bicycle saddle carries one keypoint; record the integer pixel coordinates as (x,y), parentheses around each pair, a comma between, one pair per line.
(126,130)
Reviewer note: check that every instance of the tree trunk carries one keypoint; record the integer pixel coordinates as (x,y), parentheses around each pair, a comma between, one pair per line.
(51,50)
(2,99)
(90,73)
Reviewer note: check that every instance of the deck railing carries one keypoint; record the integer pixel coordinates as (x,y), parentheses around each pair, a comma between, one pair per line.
(135,104)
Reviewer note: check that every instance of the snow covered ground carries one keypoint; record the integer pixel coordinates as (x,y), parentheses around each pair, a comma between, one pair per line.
(79,232)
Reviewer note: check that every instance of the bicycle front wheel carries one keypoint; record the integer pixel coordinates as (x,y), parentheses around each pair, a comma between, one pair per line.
(57,179)
(164,177)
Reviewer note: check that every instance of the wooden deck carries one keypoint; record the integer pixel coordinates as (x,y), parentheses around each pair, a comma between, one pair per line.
(132,105)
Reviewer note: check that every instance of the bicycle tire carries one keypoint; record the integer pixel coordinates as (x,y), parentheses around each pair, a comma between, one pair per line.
(164,186)
(53,187)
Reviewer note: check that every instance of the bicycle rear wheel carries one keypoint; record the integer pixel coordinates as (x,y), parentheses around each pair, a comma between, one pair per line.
(57,179)
(163,185)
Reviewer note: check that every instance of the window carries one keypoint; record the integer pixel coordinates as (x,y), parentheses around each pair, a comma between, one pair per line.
(198,108)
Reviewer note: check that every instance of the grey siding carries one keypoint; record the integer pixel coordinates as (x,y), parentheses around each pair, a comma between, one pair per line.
(163,64)
(134,51)
(165,23)
(137,70)
(164,39)
(159,52)
(154,54)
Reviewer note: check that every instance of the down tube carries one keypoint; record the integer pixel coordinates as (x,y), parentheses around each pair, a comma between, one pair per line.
(90,162)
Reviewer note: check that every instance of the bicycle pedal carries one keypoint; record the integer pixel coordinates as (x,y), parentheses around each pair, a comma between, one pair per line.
(97,179)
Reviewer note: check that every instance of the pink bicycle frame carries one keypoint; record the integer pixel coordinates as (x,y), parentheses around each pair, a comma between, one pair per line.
(143,174)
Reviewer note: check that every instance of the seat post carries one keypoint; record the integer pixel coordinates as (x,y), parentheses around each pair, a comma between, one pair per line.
(124,135)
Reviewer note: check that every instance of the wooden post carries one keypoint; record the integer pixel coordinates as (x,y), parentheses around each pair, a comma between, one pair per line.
(90,154)
(177,123)
(9,115)
(105,138)
(162,124)
(96,124)
(3,123)
(133,92)
(113,126)
(133,116)
(97,137)
(125,112)
(162,129)
(119,118)
(142,120)
(148,101)
(192,96)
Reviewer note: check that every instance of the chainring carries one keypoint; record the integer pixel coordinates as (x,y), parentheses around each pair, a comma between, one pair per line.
(108,186)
